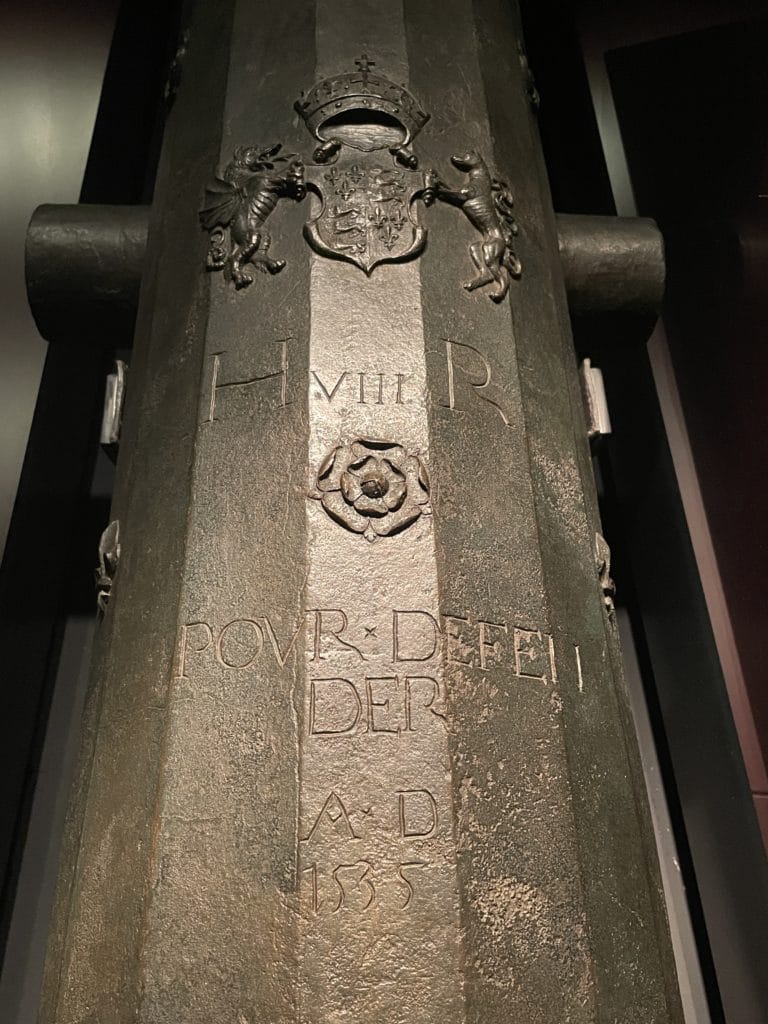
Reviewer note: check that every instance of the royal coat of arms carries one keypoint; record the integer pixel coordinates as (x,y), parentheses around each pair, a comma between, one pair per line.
(364,175)
(366,214)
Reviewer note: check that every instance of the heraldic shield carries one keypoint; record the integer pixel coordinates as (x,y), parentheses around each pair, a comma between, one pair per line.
(364,171)
(367,215)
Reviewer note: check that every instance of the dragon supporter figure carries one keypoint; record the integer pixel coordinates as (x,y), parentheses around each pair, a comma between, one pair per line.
(241,201)
(487,204)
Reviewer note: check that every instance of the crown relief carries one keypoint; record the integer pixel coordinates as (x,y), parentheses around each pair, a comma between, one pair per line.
(335,111)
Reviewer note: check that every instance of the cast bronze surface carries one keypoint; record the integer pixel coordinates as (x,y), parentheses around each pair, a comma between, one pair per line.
(529,81)
(83,269)
(611,263)
(325,780)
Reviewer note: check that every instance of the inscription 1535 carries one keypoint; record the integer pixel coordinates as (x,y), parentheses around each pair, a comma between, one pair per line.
(357,886)
(347,879)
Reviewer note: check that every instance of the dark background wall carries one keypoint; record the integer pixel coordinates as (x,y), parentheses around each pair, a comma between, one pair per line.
(52,61)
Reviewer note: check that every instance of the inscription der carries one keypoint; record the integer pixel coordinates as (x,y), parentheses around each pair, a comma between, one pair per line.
(380,704)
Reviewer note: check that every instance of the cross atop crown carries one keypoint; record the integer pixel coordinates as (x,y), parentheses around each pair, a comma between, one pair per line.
(364,66)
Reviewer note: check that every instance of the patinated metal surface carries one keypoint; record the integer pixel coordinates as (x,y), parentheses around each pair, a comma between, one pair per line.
(358,746)
(611,263)
(83,267)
